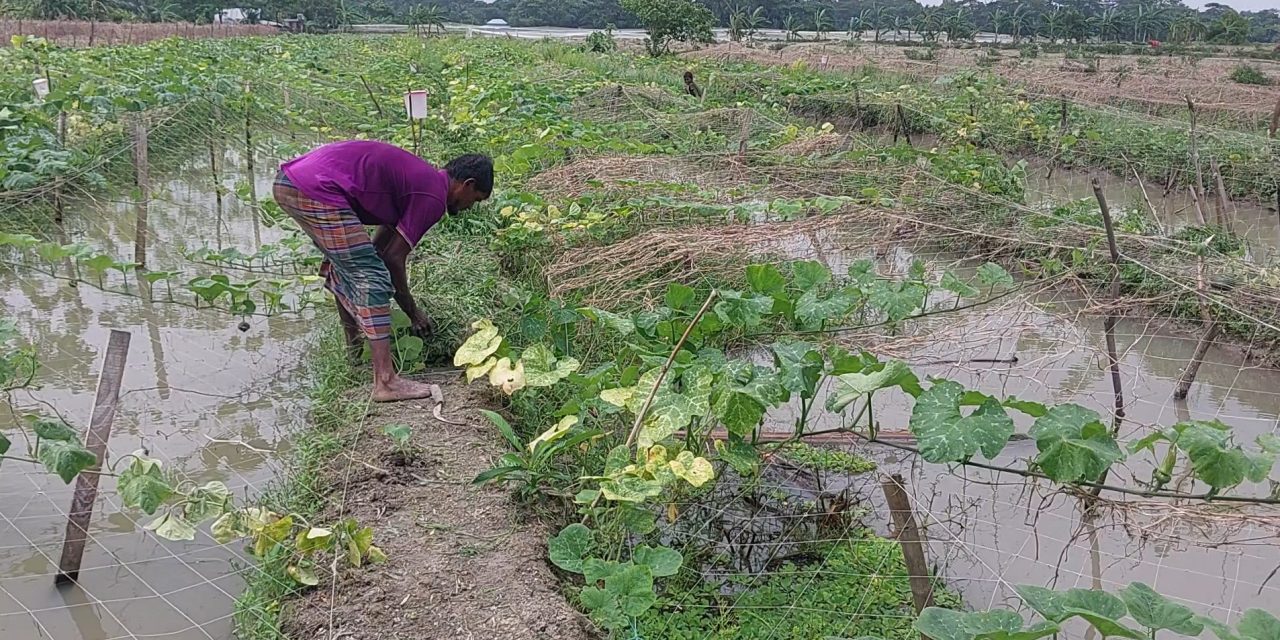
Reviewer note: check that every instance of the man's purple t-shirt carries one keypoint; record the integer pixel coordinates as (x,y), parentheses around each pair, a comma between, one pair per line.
(382,183)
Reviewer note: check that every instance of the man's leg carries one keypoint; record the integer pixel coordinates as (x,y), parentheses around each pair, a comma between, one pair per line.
(388,386)
(355,342)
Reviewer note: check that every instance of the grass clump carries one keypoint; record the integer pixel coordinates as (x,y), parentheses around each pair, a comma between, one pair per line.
(824,459)
(854,588)
(1249,74)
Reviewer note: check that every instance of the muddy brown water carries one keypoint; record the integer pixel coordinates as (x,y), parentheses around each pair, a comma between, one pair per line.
(990,531)
(211,402)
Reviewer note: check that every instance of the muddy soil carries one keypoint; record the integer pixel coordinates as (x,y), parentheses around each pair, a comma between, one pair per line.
(464,561)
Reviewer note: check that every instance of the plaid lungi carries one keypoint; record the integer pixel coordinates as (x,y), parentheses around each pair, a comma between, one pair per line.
(352,269)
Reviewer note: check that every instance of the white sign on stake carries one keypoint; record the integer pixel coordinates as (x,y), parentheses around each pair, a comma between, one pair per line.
(415,104)
(41,86)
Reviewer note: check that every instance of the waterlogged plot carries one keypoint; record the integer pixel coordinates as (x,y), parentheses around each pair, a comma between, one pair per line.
(709,324)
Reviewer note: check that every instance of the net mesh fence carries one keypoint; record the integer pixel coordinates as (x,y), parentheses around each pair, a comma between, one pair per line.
(764,550)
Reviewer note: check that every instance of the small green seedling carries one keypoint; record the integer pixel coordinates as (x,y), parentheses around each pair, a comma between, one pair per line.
(400,435)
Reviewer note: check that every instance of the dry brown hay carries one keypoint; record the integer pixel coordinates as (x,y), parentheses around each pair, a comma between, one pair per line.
(74,33)
(615,172)
(637,269)
(619,103)
(1154,83)
(824,144)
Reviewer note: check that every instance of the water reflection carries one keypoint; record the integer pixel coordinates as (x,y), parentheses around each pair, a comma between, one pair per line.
(989,532)
(211,402)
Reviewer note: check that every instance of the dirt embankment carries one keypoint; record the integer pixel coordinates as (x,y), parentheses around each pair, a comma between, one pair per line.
(464,561)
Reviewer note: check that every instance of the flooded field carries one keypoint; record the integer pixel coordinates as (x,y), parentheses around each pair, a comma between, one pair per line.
(210,401)
(989,531)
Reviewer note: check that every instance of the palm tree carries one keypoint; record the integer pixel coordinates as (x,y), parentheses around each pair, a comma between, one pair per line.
(1106,23)
(1019,20)
(791,25)
(821,22)
(756,22)
(1187,28)
(998,19)
(1051,23)
(958,25)
(879,21)
(928,23)
(859,23)
(1147,19)
(429,19)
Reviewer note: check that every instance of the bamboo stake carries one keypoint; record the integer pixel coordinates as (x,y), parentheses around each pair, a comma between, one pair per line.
(1275,120)
(372,97)
(1110,322)
(142,177)
(1212,329)
(1195,199)
(1155,216)
(908,536)
(1198,187)
(104,413)
(1224,217)
(644,409)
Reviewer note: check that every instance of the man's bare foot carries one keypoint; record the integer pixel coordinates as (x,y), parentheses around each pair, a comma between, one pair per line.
(398,389)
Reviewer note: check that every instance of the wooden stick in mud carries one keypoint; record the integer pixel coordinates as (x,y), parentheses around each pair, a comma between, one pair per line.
(908,535)
(644,409)
(142,177)
(1195,199)
(1198,187)
(104,413)
(1109,325)
(376,105)
(902,124)
(744,135)
(1155,216)
(1275,120)
(1224,214)
(1212,329)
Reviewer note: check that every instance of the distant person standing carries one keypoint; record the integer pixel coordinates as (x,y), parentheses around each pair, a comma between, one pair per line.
(337,190)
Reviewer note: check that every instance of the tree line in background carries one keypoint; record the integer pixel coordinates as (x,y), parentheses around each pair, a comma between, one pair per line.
(1059,20)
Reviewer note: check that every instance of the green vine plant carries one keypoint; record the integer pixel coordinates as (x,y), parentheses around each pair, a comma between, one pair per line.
(179,506)
(1109,614)
(80,263)
(681,394)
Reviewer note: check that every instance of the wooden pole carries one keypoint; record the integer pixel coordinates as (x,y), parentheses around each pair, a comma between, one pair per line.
(249,165)
(1195,199)
(372,96)
(1275,120)
(1212,329)
(104,413)
(142,176)
(744,135)
(1109,325)
(902,123)
(908,535)
(1224,214)
(1198,187)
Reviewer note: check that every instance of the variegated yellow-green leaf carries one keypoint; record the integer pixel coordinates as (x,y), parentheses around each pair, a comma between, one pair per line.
(303,575)
(542,369)
(506,377)
(695,470)
(480,370)
(618,397)
(227,528)
(172,527)
(629,489)
(554,433)
(479,346)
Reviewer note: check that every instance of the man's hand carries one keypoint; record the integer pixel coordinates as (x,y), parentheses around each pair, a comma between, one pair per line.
(421,325)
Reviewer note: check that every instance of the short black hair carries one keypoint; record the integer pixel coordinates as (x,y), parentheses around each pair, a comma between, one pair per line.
(472,166)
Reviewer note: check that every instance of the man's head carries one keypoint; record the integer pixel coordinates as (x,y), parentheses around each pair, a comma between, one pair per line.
(470,181)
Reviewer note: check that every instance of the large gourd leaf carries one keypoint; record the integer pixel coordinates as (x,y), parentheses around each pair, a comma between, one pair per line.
(541,369)
(1157,612)
(946,435)
(1257,624)
(479,346)
(1101,610)
(65,459)
(569,547)
(799,367)
(851,386)
(1073,443)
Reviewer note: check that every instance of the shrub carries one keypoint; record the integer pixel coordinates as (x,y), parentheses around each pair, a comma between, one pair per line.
(600,42)
(923,55)
(1029,51)
(1249,74)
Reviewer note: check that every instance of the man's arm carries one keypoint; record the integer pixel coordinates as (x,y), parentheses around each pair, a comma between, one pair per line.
(394,251)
